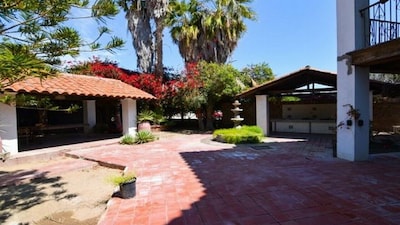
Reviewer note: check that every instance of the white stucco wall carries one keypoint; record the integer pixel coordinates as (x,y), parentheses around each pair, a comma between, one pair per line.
(262,113)
(8,128)
(89,114)
(129,116)
(352,82)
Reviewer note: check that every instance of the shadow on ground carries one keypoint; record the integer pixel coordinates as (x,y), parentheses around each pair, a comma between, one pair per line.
(23,194)
(246,185)
(54,140)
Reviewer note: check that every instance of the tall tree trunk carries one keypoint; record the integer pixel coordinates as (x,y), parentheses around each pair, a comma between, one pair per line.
(140,29)
(159,68)
(210,120)
(200,118)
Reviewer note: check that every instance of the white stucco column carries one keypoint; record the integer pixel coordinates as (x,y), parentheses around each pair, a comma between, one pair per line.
(89,115)
(262,113)
(8,128)
(352,82)
(129,114)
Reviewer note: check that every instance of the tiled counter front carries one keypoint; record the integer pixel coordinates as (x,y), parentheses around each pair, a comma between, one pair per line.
(304,126)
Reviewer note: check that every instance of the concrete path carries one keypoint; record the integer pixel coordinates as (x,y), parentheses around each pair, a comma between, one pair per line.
(187,179)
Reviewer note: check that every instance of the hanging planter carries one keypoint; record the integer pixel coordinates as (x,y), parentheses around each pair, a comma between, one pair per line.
(353,112)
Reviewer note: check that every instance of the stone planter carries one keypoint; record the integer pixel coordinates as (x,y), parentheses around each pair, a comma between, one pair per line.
(144,126)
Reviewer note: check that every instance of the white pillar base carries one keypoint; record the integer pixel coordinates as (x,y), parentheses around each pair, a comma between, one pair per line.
(262,113)
(89,115)
(8,128)
(129,116)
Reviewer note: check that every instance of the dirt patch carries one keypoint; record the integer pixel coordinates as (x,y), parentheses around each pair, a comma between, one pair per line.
(53,195)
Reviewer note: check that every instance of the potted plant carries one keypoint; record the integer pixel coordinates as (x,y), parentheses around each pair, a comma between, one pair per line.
(144,119)
(159,120)
(126,183)
(353,113)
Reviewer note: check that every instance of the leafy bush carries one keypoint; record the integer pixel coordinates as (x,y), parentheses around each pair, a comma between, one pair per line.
(144,136)
(141,137)
(244,134)
(127,140)
(146,116)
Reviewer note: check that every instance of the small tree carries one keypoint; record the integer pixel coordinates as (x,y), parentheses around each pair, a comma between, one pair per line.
(218,81)
(259,73)
(35,35)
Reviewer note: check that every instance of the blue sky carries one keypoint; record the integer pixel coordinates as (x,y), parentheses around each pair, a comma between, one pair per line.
(288,35)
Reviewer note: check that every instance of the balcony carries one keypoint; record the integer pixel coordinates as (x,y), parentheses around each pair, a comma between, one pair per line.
(381,44)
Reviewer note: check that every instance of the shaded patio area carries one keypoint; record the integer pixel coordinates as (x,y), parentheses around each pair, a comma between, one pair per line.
(63,139)
(287,180)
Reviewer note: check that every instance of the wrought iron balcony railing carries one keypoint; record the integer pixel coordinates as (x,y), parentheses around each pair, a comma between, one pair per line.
(382,22)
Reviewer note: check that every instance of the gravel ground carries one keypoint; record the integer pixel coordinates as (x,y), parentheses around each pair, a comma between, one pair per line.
(76,196)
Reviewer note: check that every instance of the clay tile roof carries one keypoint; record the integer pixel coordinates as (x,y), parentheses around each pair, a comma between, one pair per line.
(79,85)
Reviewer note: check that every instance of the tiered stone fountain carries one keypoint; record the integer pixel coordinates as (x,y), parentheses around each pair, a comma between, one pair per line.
(236,111)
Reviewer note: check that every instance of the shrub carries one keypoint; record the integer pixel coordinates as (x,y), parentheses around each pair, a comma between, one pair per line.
(244,134)
(146,116)
(123,179)
(144,136)
(127,140)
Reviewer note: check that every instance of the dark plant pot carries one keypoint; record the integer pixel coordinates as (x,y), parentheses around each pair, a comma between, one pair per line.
(128,190)
(349,122)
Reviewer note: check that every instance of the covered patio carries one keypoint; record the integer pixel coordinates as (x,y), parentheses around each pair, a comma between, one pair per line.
(304,101)
(90,96)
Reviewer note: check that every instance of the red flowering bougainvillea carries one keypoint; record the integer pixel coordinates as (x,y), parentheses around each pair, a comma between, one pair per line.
(177,95)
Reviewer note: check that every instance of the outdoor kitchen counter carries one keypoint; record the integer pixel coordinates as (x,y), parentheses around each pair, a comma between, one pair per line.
(321,126)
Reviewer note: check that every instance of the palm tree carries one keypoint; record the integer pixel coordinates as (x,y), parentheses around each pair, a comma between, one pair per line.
(140,14)
(205,33)
(140,29)
(224,27)
(185,21)
(158,10)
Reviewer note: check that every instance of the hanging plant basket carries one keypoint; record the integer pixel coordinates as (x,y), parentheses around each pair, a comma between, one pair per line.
(353,112)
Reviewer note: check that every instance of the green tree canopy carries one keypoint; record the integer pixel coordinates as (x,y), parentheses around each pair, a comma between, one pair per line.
(219,81)
(259,73)
(34,35)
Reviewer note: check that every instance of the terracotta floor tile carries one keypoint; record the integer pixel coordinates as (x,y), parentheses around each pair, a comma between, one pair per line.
(260,219)
(188,180)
